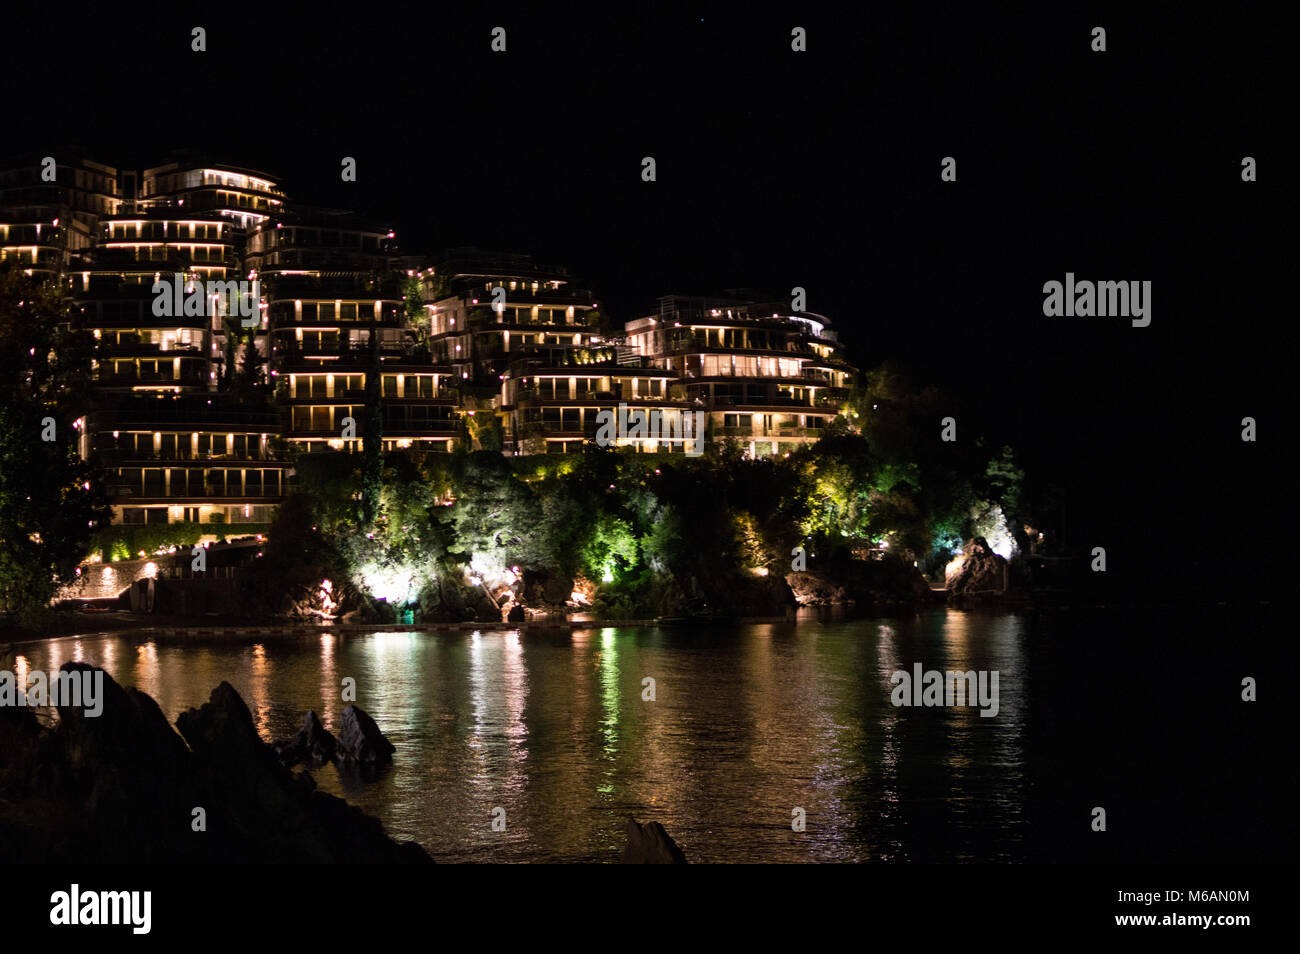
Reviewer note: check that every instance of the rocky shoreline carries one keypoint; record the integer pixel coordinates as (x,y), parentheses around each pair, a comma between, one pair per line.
(125,787)
(883,586)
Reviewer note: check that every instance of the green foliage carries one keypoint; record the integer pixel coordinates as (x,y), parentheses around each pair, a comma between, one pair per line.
(331,481)
(126,541)
(611,550)
(1003,480)
(413,292)
(372,439)
(417,318)
(50,500)
(493,512)
(484,431)
(297,556)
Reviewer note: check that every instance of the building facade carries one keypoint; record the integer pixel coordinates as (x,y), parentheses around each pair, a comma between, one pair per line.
(203,401)
(762,375)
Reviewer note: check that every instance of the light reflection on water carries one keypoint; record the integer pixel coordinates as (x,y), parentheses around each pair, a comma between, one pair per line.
(749,723)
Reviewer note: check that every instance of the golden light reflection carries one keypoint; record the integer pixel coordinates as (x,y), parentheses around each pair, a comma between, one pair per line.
(329,681)
(516,690)
(607,664)
(260,689)
(146,672)
(498,736)
(108,656)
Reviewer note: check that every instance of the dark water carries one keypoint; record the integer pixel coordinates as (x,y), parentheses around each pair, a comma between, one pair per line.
(1140,716)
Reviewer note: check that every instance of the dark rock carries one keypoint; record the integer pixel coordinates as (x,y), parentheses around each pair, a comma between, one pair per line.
(980,571)
(360,739)
(122,787)
(312,744)
(649,844)
(812,589)
(887,581)
(516,615)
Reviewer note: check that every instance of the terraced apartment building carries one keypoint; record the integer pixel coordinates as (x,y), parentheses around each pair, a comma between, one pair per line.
(764,376)
(200,411)
(336,303)
(50,210)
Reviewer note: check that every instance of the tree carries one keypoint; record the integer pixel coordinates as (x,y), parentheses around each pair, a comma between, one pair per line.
(372,440)
(51,501)
(495,514)
(416,317)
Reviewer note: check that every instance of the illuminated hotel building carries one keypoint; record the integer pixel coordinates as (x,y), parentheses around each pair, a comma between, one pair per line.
(332,283)
(44,224)
(490,311)
(197,416)
(177,442)
(551,399)
(764,376)
(477,330)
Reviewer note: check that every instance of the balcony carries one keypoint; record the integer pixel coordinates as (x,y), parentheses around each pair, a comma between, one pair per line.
(137,349)
(530,397)
(760,400)
(124,493)
(185,416)
(108,457)
(760,433)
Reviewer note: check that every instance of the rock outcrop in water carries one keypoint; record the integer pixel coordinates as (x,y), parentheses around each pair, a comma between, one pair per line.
(124,787)
(312,744)
(649,844)
(360,739)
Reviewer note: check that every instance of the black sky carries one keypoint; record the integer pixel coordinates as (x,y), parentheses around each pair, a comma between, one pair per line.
(818,169)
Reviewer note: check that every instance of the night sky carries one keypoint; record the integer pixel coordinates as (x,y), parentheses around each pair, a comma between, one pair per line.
(818,169)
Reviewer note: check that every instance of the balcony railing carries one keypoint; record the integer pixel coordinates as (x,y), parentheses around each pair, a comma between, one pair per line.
(529,397)
(158,492)
(761,433)
(202,418)
(178,461)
